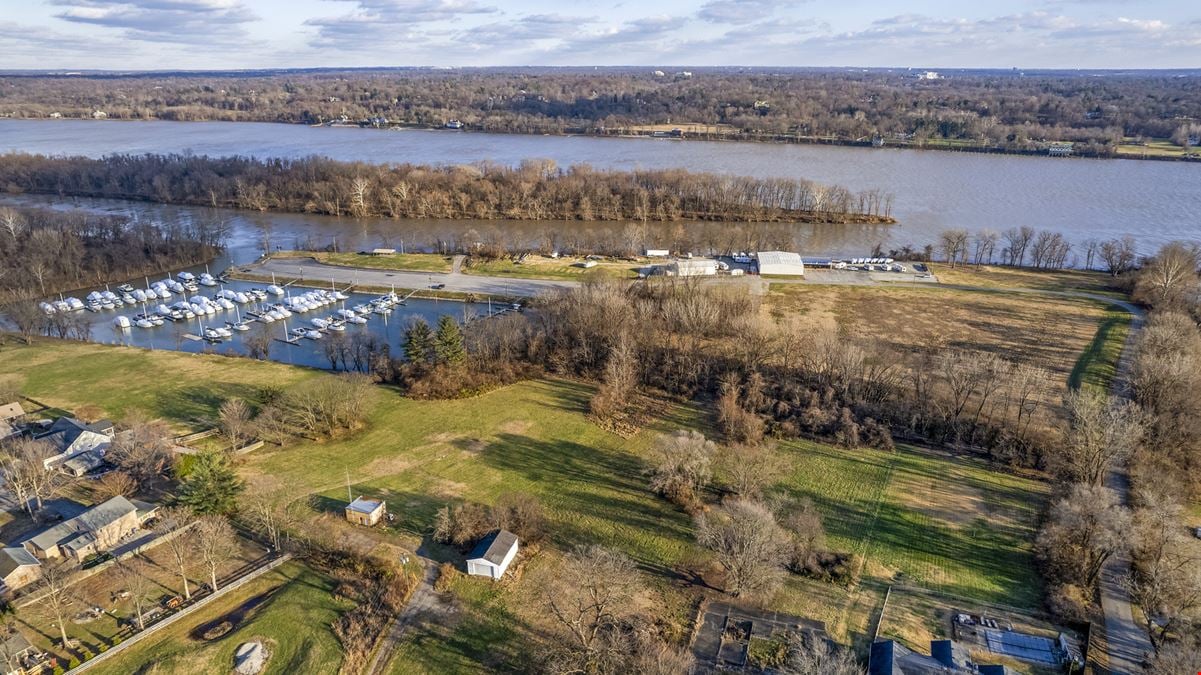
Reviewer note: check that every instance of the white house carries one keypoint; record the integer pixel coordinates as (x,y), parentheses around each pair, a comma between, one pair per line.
(782,263)
(491,557)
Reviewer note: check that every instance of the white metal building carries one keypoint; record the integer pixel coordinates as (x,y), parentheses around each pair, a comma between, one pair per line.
(491,557)
(782,263)
(695,267)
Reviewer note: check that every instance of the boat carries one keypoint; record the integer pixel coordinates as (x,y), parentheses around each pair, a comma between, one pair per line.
(212,335)
(267,317)
(185,276)
(139,295)
(320,323)
(258,293)
(275,290)
(143,322)
(335,324)
(362,309)
(225,303)
(47,308)
(206,279)
(75,304)
(191,286)
(313,335)
(224,332)
(125,288)
(237,325)
(298,332)
(94,306)
(121,322)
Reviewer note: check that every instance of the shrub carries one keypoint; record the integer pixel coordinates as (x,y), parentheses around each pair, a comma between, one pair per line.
(73,663)
(446,577)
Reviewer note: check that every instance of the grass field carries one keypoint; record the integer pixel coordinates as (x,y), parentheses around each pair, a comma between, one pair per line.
(1022,277)
(948,524)
(541,267)
(184,389)
(1098,363)
(417,262)
(1160,147)
(293,622)
(1051,333)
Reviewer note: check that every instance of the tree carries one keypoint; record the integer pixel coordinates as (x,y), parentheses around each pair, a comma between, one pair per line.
(1102,431)
(1177,658)
(810,654)
(1169,280)
(215,544)
(27,317)
(683,466)
(211,486)
(23,464)
(589,599)
(448,342)
(748,544)
(804,525)
(750,468)
(954,245)
(1166,580)
(521,514)
(234,415)
(57,597)
(1118,255)
(173,523)
(138,583)
(143,450)
(323,407)
(1084,529)
(270,520)
(116,484)
(419,341)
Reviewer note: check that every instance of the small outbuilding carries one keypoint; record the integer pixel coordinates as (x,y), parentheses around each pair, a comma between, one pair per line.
(18,568)
(781,263)
(695,267)
(491,557)
(363,511)
(657,253)
(383,251)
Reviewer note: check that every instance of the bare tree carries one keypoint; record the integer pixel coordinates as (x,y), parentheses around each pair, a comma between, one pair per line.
(270,520)
(1169,280)
(748,544)
(23,463)
(138,584)
(1084,529)
(682,465)
(181,545)
(1118,255)
(116,484)
(1166,581)
(810,654)
(236,424)
(748,469)
(142,450)
(57,598)
(589,599)
(216,544)
(1102,432)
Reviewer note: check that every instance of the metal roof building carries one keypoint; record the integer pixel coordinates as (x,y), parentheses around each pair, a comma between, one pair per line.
(783,263)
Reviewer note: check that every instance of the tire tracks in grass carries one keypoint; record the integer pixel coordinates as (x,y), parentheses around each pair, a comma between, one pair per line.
(866,547)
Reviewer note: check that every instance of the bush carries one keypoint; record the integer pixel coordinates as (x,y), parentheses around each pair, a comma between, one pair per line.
(1069,603)
(58,670)
(73,663)
(446,577)
(830,567)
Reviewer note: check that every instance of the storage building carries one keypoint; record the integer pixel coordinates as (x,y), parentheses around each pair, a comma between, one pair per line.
(491,557)
(363,511)
(781,263)
(696,267)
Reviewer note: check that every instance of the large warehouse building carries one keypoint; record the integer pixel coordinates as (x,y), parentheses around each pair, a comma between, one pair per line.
(693,267)
(781,263)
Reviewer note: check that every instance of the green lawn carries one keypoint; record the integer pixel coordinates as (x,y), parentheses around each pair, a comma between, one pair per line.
(185,389)
(416,262)
(293,622)
(1098,364)
(537,267)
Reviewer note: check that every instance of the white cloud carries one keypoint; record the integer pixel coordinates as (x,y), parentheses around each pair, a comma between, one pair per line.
(162,20)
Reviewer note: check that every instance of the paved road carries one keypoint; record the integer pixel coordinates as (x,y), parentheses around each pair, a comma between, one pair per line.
(286,269)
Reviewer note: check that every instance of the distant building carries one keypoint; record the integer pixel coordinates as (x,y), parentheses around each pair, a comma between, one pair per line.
(1060,149)
(18,654)
(368,512)
(657,253)
(781,263)
(929,75)
(18,568)
(99,115)
(383,251)
(100,528)
(454,124)
(697,267)
(56,116)
(658,73)
(491,557)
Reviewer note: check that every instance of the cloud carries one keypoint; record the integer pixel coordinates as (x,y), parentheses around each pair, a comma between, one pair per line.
(39,42)
(524,30)
(739,12)
(162,20)
(374,21)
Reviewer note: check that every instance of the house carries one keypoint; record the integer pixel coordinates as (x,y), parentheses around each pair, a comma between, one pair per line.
(99,115)
(363,511)
(10,413)
(891,658)
(17,654)
(56,116)
(383,251)
(98,529)
(491,557)
(692,268)
(1060,149)
(73,438)
(782,263)
(18,568)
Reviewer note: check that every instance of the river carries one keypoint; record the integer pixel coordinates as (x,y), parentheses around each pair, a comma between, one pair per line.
(1155,202)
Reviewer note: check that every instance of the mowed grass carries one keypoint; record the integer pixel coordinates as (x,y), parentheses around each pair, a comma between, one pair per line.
(540,267)
(1098,364)
(1001,277)
(416,262)
(185,389)
(293,622)
(952,525)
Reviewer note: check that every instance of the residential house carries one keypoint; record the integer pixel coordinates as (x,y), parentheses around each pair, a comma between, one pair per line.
(73,438)
(892,658)
(18,568)
(10,413)
(363,511)
(16,654)
(491,557)
(98,529)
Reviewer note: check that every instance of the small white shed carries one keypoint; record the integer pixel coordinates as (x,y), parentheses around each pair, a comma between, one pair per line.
(491,557)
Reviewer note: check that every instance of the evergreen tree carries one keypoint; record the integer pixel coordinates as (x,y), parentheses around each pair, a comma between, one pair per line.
(211,486)
(448,342)
(419,341)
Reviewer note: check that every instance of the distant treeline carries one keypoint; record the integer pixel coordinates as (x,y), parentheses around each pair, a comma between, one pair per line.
(536,190)
(44,252)
(976,110)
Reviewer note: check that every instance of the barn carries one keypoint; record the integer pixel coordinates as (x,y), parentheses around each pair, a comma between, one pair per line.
(781,263)
(491,557)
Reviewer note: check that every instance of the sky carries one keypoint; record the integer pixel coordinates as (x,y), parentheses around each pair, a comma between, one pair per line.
(237,34)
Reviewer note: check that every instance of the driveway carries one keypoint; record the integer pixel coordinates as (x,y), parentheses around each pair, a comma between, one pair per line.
(423,602)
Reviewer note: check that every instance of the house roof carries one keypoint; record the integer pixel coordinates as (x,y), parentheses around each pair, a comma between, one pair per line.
(84,462)
(93,519)
(494,547)
(12,557)
(779,258)
(67,430)
(364,505)
(15,643)
(10,410)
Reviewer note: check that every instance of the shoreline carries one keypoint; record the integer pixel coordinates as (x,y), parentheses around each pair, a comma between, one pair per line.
(776,139)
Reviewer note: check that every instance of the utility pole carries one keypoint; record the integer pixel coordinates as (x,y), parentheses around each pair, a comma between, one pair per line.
(349,494)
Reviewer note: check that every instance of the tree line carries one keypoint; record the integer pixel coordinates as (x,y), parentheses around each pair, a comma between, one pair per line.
(991,110)
(535,190)
(43,252)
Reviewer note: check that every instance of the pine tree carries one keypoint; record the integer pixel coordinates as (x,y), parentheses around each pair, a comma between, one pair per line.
(211,486)
(448,342)
(419,342)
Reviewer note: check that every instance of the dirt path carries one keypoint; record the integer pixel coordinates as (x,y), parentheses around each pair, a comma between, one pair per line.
(424,601)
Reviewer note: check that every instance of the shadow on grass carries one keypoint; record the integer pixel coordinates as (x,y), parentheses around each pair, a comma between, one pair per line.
(1098,363)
